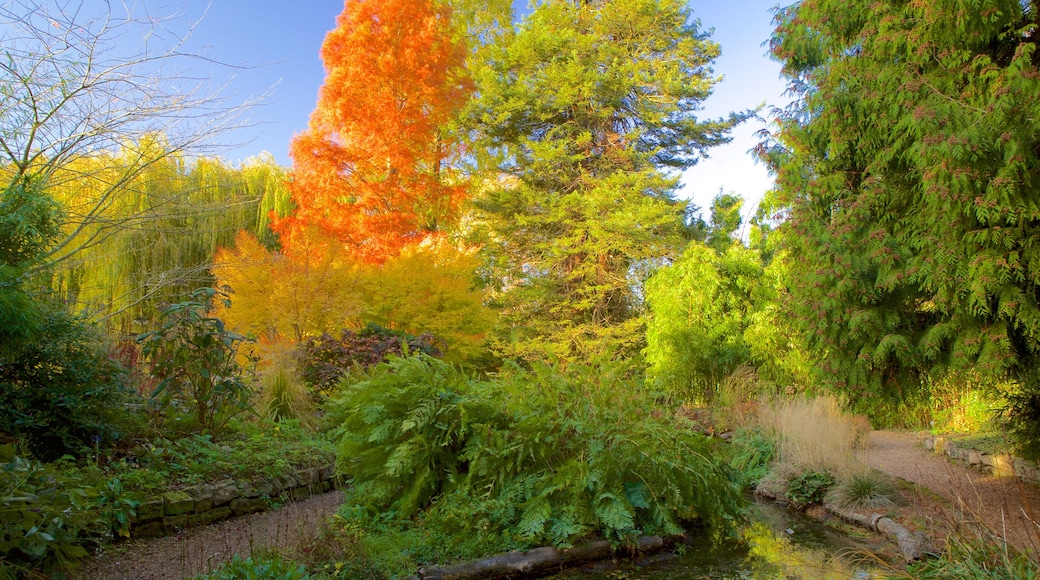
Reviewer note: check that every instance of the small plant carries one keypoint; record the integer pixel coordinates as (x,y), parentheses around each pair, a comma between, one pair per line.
(271,567)
(196,361)
(754,452)
(808,488)
(866,490)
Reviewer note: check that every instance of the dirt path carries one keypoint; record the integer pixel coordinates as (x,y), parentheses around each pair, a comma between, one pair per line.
(203,549)
(1007,507)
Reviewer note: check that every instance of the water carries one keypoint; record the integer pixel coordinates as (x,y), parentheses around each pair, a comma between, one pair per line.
(779,543)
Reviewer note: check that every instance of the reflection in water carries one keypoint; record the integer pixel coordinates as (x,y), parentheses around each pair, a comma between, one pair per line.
(778,543)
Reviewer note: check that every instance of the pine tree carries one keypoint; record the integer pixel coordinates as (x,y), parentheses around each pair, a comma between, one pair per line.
(581,115)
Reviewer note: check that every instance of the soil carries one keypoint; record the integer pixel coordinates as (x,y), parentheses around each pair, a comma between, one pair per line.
(943,497)
(940,498)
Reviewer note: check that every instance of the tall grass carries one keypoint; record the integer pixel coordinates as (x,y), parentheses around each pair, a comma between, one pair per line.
(814,433)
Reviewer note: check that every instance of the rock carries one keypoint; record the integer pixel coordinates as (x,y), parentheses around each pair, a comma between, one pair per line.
(213,515)
(242,506)
(203,497)
(223,492)
(177,502)
(150,509)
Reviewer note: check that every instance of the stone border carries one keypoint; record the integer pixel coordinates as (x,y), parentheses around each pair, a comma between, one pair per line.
(204,504)
(1000,465)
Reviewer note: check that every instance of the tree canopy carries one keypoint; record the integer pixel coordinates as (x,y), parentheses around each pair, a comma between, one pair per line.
(371,169)
(907,173)
(580,118)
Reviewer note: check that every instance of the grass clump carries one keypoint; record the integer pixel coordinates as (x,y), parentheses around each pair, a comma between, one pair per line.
(866,490)
(448,467)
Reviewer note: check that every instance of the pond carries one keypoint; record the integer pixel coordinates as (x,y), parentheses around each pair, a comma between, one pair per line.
(778,543)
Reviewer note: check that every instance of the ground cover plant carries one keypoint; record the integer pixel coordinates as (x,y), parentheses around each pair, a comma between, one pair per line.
(461,467)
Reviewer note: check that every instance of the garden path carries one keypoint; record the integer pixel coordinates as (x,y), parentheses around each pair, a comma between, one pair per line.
(998,507)
(202,549)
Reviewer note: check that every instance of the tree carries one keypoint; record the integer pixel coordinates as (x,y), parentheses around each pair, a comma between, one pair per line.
(313,291)
(907,175)
(174,215)
(580,118)
(71,87)
(371,170)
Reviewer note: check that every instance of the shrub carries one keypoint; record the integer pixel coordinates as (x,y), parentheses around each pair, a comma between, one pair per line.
(324,360)
(196,361)
(808,488)
(60,392)
(270,567)
(865,490)
(530,457)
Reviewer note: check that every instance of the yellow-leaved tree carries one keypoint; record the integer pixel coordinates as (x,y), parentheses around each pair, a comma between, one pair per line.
(432,288)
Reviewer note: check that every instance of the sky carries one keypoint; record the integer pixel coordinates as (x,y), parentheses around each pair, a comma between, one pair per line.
(273,45)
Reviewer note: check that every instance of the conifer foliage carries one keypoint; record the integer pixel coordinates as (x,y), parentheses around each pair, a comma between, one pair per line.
(370,171)
(908,170)
(582,112)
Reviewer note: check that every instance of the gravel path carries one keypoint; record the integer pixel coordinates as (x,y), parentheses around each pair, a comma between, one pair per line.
(201,549)
(1007,507)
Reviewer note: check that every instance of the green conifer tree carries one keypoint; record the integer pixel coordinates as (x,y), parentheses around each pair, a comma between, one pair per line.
(581,115)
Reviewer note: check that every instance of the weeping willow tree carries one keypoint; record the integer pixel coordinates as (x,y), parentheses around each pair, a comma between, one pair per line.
(82,101)
(156,240)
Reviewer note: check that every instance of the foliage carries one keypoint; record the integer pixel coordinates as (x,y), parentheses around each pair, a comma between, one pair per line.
(156,241)
(313,288)
(394,80)
(866,490)
(580,116)
(975,557)
(324,360)
(77,83)
(196,360)
(283,395)
(753,453)
(906,172)
(50,515)
(29,223)
(60,391)
(700,307)
(527,458)
(431,289)
(808,488)
(257,568)
(33,512)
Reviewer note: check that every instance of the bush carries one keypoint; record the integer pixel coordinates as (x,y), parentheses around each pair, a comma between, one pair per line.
(60,392)
(259,568)
(196,361)
(48,516)
(324,360)
(808,488)
(531,457)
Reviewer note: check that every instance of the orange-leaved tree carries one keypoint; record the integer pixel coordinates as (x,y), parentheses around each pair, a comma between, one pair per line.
(371,169)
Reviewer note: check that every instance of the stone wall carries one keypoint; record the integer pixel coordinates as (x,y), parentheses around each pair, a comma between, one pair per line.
(204,504)
(1000,464)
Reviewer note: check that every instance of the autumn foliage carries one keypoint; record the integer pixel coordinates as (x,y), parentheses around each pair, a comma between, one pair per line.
(370,169)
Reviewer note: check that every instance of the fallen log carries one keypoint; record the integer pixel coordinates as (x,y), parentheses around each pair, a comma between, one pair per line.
(913,545)
(533,562)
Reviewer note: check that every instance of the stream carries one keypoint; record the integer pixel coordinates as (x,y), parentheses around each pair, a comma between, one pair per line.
(778,543)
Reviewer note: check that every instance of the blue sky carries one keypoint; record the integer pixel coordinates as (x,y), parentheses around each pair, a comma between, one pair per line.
(276,43)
